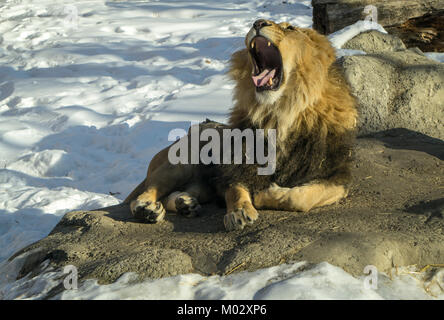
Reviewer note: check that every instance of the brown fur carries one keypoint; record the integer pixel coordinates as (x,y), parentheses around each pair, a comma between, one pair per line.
(315,93)
(315,116)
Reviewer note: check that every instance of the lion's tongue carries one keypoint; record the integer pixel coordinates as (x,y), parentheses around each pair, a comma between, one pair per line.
(263,77)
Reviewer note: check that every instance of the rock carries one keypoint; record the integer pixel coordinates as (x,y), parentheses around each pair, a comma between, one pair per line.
(392,217)
(417,51)
(401,89)
(395,87)
(374,42)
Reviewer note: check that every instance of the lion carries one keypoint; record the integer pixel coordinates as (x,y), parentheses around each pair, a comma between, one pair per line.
(285,79)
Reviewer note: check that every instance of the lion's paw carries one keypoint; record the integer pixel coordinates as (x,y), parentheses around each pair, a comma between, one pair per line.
(187,205)
(239,218)
(148,212)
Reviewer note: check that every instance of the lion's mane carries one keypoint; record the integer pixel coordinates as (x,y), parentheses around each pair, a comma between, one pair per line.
(314,114)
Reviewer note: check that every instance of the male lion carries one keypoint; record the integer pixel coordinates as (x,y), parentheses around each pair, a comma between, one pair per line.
(286,79)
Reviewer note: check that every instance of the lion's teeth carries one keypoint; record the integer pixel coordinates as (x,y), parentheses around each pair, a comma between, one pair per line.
(252,44)
(269,43)
(270,81)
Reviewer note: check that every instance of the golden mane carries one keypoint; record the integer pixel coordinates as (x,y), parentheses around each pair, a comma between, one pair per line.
(313,92)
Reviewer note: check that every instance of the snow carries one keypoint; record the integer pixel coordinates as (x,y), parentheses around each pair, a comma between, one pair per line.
(298,280)
(284,282)
(437,56)
(340,37)
(88,94)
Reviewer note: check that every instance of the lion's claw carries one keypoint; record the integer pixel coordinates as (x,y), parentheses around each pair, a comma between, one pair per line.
(187,206)
(239,218)
(149,212)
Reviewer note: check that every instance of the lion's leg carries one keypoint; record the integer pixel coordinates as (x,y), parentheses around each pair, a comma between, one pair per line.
(306,197)
(159,182)
(240,210)
(136,192)
(188,202)
(158,160)
(302,198)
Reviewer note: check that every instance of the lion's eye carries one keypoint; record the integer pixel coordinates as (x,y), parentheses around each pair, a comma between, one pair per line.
(286,26)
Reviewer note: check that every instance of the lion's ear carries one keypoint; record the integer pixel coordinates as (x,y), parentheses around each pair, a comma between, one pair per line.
(286,25)
(240,66)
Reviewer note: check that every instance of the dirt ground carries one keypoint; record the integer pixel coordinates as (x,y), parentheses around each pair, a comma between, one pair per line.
(393,216)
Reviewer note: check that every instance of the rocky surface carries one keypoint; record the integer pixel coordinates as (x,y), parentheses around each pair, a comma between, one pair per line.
(393,216)
(374,42)
(395,87)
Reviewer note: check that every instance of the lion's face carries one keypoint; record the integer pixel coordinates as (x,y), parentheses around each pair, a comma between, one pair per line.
(268,44)
(278,54)
(263,42)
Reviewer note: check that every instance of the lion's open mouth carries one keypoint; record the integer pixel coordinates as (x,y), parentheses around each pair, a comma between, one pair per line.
(267,63)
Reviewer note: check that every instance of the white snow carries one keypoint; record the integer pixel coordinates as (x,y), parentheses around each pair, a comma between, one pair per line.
(438,56)
(284,282)
(298,280)
(340,37)
(89,91)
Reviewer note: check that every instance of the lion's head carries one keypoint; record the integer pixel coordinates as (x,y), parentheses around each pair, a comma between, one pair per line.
(284,74)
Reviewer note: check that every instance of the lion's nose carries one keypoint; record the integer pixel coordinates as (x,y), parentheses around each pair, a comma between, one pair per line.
(258,24)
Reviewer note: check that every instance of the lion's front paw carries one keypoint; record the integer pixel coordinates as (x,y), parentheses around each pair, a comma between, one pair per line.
(240,217)
(187,205)
(148,212)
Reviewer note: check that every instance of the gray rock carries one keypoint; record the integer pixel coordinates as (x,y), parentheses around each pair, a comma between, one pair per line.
(375,42)
(392,217)
(417,51)
(397,90)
